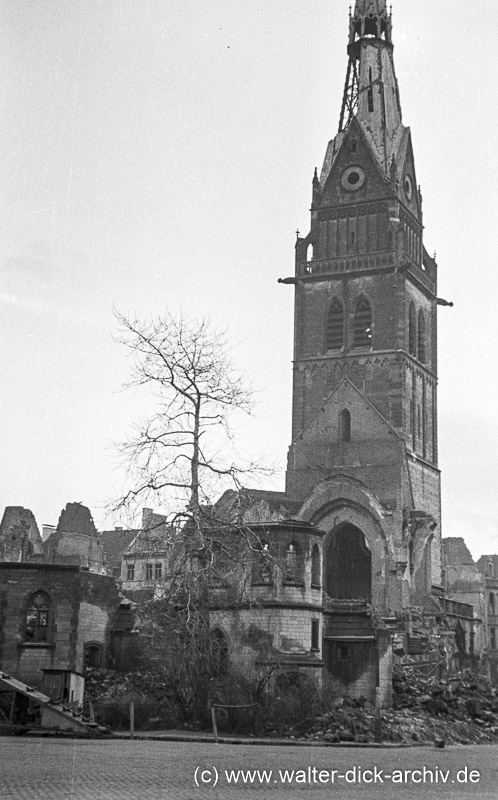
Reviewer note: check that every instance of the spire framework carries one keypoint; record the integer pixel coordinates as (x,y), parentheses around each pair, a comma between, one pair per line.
(370,20)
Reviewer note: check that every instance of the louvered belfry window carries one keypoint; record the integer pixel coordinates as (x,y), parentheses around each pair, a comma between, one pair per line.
(334,334)
(362,323)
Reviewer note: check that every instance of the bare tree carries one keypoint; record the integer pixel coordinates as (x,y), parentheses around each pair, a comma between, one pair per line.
(179,455)
(187,441)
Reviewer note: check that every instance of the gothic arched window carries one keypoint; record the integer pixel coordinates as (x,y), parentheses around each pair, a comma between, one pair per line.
(344,432)
(362,323)
(421,336)
(412,331)
(334,331)
(315,566)
(38,618)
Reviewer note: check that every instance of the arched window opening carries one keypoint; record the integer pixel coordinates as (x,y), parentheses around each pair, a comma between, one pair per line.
(344,433)
(316,571)
(412,331)
(362,323)
(219,654)
(348,573)
(293,568)
(421,336)
(310,252)
(38,618)
(334,333)
(92,655)
(491,570)
(262,571)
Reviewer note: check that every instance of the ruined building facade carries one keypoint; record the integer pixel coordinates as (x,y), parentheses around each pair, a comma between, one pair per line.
(363,483)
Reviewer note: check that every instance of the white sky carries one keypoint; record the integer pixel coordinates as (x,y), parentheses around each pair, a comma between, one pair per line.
(160,153)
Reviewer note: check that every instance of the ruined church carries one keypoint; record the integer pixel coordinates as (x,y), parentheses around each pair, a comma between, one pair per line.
(349,570)
(359,524)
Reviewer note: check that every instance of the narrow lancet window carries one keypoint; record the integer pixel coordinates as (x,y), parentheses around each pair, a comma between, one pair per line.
(412,331)
(421,337)
(344,426)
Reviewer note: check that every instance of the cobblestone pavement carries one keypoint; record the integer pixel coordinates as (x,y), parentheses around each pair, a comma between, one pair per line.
(54,769)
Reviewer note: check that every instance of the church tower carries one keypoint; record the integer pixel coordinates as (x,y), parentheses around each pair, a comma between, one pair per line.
(364,421)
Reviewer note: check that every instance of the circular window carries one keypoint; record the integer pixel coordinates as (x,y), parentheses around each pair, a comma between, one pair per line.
(408,187)
(353,178)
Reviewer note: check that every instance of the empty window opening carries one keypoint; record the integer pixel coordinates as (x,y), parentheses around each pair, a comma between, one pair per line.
(491,603)
(491,570)
(353,238)
(315,634)
(93,656)
(362,323)
(315,566)
(334,334)
(262,571)
(493,638)
(412,331)
(37,618)
(293,570)
(370,96)
(310,252)
(344,434)
(419,423)
(344,652)
(421,336)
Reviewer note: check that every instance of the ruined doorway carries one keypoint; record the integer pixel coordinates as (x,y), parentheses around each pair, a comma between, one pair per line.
(348,565)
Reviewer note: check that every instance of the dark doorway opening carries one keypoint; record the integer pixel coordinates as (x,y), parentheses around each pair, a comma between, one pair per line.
(348,565)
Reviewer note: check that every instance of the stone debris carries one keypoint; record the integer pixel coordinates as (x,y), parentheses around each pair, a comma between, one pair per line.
(460,709)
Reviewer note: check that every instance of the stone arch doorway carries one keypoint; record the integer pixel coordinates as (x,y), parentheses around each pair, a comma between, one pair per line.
(348,565)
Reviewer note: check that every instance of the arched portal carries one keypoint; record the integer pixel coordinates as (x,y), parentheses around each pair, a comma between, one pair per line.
(348,565)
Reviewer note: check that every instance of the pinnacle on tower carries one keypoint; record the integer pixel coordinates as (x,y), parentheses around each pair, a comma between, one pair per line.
(370,18)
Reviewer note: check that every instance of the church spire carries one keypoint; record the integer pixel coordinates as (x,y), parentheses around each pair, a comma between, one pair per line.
(371,91)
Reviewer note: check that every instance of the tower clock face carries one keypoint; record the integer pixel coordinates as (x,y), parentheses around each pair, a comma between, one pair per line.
(353,178)
(408,187)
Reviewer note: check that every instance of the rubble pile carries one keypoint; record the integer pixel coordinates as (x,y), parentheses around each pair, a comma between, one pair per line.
(461,709)
(458,710)
(109,694)
(102,684)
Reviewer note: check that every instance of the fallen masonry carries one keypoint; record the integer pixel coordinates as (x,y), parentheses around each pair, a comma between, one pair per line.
(460,709)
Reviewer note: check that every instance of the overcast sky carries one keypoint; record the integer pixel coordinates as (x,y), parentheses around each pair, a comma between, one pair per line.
(160,153)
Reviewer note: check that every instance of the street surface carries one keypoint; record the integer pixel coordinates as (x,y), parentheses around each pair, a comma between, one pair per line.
(55,769)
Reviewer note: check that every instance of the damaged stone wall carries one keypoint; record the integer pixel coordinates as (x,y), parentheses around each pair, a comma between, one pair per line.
(47,615)
(19,535)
